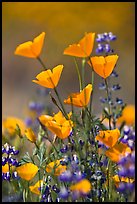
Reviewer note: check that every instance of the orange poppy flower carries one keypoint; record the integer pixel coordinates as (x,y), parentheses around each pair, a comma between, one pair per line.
(27,171)
(128,115)
(5,168)
(30,135)
(9,125)
(118,151)
(80,99)
(48,78)
(31,49)
(118,179)
(57,124)
(83,186)
(103,66)
(35,188)
(108,137)
(58,168)
(83,48)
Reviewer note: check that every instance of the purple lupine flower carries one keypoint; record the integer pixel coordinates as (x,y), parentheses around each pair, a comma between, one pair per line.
(63,193)
(66,176)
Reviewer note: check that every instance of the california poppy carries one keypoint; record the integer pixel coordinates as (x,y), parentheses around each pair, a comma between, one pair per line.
(30,135)
(128,115)
(9,125)
(48,78)
(27,171)
(83,186)
(118,151)
(83,48)
(80,99)
(57,124)
(108,137)
(31,49)
(103,66)
(56,167)
(35,188)
(5,168)
(118,179)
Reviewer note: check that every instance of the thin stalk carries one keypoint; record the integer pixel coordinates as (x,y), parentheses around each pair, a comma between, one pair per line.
(83,72)
(78,72)
(92,82)
(109,108)
(41,62)
(64,111)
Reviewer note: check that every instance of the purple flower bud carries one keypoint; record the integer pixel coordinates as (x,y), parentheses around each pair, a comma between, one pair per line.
(114,74)
(130,143)
(122,171)
(28,122)
(78,176)
(119,101)
(4,161)
(107,48)
(3,150)
(116,87)
(75,195)
(15,175)
(122,187)
(122,161)
(131,171)
(16,152)
(66,176)
(130,186)
(7,176)
(64,149)
(102,86)
(126,130)
(63,193)
(133,156)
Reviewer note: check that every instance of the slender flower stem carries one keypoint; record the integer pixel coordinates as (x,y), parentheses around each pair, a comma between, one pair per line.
(78,72)
(92,82)
(109,108)
(64,111)
(41,62)
(83,72)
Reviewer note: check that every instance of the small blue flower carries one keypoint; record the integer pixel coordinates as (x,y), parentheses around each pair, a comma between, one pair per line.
(63,193)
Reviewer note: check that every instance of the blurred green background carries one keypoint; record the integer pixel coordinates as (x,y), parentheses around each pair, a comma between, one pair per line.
(64,23)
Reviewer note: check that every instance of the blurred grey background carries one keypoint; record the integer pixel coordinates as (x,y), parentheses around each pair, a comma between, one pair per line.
(64,23)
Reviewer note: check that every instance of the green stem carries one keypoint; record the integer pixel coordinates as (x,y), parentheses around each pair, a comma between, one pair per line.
(109,108)
(78,72)
(41,62)
(92,82)
(64,111)
(83,72)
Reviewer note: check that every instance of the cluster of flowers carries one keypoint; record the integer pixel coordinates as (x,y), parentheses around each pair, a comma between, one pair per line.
(8,162)
(87,159)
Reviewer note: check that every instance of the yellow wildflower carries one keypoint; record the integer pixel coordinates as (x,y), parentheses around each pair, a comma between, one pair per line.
(83,186)
(108,137)
(31,49)
(30,135)
(58,168)
(57,124)
(35,188)
(27,171)
(80,99)
(48,78)
(103,66)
